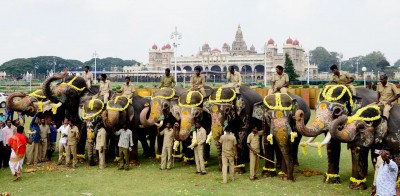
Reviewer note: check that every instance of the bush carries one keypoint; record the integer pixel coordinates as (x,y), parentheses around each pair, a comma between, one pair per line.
(141,86)
(306,86)
(320,86)
(118,87)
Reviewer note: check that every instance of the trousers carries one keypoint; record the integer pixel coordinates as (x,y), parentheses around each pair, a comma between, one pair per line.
(124,158)
(254,162)
(227,161)
(166,157)
(199,158)
(71,149)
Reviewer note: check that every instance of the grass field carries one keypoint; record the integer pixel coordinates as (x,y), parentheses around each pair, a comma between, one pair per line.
(147,179)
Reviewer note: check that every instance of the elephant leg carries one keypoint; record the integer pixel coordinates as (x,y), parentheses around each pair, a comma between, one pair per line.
(143,141)
(278,154)
(287,162)
(359,158)
(160,140)
(134,152)
(219,155)
(112,145)
(295,151)
(333,150)
(152,137)
(269,169)
(207,148)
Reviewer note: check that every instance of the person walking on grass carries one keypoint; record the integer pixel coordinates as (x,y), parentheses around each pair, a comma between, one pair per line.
(101,144)
(229,153)
(168,142)
(62,146)
(72,140)
(125,144)
(253,142)
(7,134)
(18,148)
(201,137)
(44,134)
(33,155)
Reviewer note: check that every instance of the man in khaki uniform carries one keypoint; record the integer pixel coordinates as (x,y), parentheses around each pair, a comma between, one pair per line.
(44,134)
(127,89)
(280,81)
(101,144)
(229,152)
(201,137)
(88,76)
(387,95)
(105,87)
(166,154)
(344,79)
(198,81)
(235,78)
(167,80)
(253,142)
(73,135)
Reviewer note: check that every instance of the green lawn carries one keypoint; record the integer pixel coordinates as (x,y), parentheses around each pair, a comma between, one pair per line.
(181,180)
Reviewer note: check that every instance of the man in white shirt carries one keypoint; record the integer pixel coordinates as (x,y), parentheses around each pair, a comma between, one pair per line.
(125,143)
(387,175)
(62,146)
(7,134)
(88,76)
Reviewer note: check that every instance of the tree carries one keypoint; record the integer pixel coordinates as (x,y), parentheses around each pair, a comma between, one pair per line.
(372,59)
(397,63)
(289,68)
(383,64)
(323,58)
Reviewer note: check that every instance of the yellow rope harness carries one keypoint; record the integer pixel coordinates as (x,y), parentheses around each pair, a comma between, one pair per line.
(270,138)
(328,91)
(269,169)
(189,98)
(40,106)
(357,115)
(165,97)
(358,182)
(328,176)
(73,86)
(91,105)
(278,103)
(35,94)
(54,109)
(117,109)
(218,97)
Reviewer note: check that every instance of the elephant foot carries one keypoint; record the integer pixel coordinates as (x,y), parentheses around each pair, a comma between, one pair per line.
(355,186)
(278,166)
(333,179)
(296,163)
(269,173)
(240,170)
(134,163)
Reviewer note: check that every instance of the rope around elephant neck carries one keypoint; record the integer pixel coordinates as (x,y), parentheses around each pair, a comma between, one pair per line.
(91,104)
(278,103)
(218,97)
(165,97)
(357,115)
(35,94)
(328,91)
(73,86)
(117,109)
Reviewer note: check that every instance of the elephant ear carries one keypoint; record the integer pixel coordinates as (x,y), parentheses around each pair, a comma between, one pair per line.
(259,111)
(174,107)
(131,113)
(381,131)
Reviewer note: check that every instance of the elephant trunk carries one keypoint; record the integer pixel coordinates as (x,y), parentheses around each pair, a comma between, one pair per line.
(110,119)
(143,120)
(342,132)
(47,88)
(312,131)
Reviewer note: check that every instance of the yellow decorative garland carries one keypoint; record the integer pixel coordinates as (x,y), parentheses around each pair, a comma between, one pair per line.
(293,135)
(270,138)
(34,94)
(328,176)
(357,115)
(319,146)
(281,173)
(239,166)
(327,94)
(358,182)
(278,103)
(54,108)
(303,148)
(269,169)
(218,97)
(165,97)
(40,106)
(82,156)
(186,159)
(189,98)
(158,156)
(73,86)
(117,109)
(177,156)
(91,105)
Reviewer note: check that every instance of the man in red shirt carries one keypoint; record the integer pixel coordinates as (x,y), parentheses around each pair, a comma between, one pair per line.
(18,148)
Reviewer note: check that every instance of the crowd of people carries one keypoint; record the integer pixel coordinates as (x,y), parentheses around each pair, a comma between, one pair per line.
(42,137)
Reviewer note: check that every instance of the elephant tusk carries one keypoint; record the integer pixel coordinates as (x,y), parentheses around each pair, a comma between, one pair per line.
(161,123)
(323,143)
(176,145)
(141,126)
(304,144)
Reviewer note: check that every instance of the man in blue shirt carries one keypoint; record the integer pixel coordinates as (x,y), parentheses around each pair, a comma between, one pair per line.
(35,131)
(53,139)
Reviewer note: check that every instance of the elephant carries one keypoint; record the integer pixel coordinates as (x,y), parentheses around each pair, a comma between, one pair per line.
(332,104)
(277,112)
(118,111)
(366,130)
(191,110)
(69,94)
(228,111)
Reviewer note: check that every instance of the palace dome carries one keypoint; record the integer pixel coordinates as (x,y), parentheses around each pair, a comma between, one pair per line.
(271,41)
(289,41)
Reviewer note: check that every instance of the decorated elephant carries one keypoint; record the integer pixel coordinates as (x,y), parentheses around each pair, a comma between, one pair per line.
(332,103)
(226,110)
(118,111)
(191,110)
(277,111)
(366,130)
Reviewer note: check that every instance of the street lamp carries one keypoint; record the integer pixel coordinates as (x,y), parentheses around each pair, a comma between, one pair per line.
(364,69)
(95,56)
(214,79)
(308,67)
(177,36)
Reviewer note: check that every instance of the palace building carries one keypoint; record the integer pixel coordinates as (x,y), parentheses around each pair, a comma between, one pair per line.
(246,60)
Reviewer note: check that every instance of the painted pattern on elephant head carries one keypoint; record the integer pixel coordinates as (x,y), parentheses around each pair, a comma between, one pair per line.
(221,115)
(188,118)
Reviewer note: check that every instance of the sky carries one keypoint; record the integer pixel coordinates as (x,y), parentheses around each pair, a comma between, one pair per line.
(75,29)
